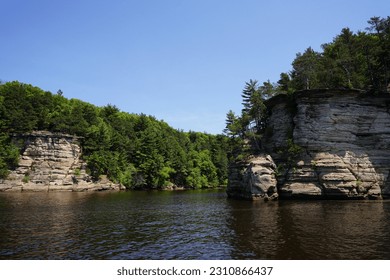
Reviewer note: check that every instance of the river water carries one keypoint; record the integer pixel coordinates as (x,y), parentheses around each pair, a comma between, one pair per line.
(188,225)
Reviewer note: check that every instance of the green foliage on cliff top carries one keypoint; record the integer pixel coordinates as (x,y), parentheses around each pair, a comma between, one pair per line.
(138,151)
(352,60)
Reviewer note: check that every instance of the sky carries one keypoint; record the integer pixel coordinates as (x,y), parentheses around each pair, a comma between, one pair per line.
(181,61)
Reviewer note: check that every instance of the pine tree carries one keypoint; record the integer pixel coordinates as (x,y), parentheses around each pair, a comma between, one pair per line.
(250,88)
(233,125)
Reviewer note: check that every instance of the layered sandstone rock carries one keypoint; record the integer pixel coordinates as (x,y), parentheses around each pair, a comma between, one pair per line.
(52,162)
(341,144)
(255,181)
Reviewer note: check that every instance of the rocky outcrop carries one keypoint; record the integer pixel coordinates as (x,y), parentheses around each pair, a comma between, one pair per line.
(329,144)
(254,179)
(52,162)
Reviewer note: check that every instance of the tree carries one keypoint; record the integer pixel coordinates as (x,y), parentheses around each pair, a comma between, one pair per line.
(60,92)
(202,171)
(17,110)
(305,69)
(134,150)
(380,27)
(267,90)
(254,109)
(9,155)
(250,88)
(233,125)
(376,24)
(257,111)
(337,61)
(284,83)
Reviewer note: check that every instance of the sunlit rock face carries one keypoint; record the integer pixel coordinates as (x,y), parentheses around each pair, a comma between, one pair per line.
(330,144)
(51,162)
(255,181)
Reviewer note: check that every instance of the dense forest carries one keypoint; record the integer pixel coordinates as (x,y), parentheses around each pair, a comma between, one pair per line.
(137,151)
(352,60)
(140,151)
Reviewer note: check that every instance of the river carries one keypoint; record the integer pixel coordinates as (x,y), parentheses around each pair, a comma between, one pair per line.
(188,225)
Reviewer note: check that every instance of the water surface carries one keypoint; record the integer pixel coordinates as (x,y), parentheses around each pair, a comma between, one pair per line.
(188,225)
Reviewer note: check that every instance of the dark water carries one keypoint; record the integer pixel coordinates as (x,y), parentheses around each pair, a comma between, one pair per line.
(188,225)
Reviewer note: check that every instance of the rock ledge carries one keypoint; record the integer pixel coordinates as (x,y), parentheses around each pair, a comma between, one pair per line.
(341,140)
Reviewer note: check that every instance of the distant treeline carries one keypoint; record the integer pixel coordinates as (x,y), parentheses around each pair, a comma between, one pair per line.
(140,151)
(137,151)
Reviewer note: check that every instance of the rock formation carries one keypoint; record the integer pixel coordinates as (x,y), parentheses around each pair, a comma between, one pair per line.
(254,179)
(51,162)
(324,144)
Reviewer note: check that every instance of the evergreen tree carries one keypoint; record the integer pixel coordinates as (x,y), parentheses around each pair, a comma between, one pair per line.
(306,68)
(233,125)
(284,83)
(249,90)
(380,28)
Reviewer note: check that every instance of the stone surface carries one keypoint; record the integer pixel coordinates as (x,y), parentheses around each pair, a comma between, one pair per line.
(257,181)
(344,144)
(51,162)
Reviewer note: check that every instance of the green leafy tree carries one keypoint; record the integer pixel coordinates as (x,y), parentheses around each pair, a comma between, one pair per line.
(202,171)
(17,109)
(9,155)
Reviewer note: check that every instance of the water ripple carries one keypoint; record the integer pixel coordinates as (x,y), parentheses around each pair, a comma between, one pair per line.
(188,225)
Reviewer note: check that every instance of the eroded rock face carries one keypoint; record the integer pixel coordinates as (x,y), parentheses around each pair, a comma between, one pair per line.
(345,141)
(52,162)
(341,140)
(257,181)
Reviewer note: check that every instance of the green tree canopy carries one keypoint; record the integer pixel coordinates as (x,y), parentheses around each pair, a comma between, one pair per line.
(138,151)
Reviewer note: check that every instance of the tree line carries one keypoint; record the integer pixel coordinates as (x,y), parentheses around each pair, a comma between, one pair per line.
(137,151)
(352,60)
(140,151)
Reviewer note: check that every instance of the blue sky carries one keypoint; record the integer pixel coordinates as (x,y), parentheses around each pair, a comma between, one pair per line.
(184,62)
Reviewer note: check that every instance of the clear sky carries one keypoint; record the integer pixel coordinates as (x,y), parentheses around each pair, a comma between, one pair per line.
(182,61)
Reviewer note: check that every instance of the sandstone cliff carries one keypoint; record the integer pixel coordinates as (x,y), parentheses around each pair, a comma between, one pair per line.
(51,162)
(322,144)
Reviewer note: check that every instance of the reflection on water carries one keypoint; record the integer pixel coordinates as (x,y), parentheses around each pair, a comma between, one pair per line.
(312,230)
(188,225)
